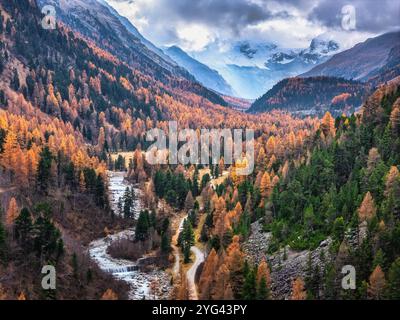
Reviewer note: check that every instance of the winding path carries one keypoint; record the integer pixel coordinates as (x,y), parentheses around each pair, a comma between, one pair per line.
(191,274)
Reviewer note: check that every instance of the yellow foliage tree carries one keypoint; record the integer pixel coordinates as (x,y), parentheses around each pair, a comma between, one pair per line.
(377,284)
(12,211)
(109,295)
(367,210)
(298,291)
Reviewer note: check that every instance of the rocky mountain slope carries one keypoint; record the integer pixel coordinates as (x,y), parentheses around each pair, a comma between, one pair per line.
(363,61)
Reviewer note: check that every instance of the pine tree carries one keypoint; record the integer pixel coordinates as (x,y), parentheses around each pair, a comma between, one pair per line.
(195,183)
(142,226)
(3,243)
(128,204)
(23,228)
(250,285)
(394,280)
(44,169)
(186,240)
(262,290)
(100,197)
(165,243)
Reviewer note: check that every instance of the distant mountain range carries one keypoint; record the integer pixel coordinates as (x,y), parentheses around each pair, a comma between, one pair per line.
(363,61)
(339,84)
(253,68)
(204,74)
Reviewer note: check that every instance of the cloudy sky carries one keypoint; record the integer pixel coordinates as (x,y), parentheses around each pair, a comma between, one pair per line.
(194,24)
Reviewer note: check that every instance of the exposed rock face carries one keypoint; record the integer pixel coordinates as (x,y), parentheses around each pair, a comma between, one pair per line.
(257,244)
(284,271)
(286,265)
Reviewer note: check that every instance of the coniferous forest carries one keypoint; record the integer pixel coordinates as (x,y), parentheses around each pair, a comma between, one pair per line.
(318,218)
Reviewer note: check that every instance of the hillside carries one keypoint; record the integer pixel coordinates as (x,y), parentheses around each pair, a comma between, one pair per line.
(98,23)
(362,61)
(313,95)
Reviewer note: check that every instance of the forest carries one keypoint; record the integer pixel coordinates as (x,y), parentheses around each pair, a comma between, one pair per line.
(324,191)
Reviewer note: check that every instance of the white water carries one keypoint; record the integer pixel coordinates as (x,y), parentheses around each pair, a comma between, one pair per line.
(116,188)
(125,270)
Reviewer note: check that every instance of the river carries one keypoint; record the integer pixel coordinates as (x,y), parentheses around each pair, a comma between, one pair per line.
(139,282)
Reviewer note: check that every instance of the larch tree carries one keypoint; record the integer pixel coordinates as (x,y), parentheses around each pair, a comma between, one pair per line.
(390,179)
(109,295)
(7,158)
(101,139)
(21,296)
(367,210)
(208,273)
(12,212)
(298,290)
(395,118)
(271,145)
(377,284)
(234,258)
(373,158)
(264,272)
(265,186)
(221,282)
(328,125)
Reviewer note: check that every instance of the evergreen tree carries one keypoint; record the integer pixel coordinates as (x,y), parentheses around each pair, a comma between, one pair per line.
(100,196)
(44,169)
(195,183)
(186,240)
(128,204)
(394,280)
(142,226)
(23,228)
(3,243)
(262,290)
(250,286)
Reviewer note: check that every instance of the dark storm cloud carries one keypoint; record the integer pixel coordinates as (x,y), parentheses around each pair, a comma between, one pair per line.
(234,14)
(376,16)
(221,12)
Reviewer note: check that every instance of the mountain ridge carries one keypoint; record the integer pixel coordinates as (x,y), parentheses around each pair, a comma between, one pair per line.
(204,74)
(371,54)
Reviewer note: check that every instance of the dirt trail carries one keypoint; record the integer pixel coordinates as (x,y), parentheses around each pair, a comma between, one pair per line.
(191,274)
